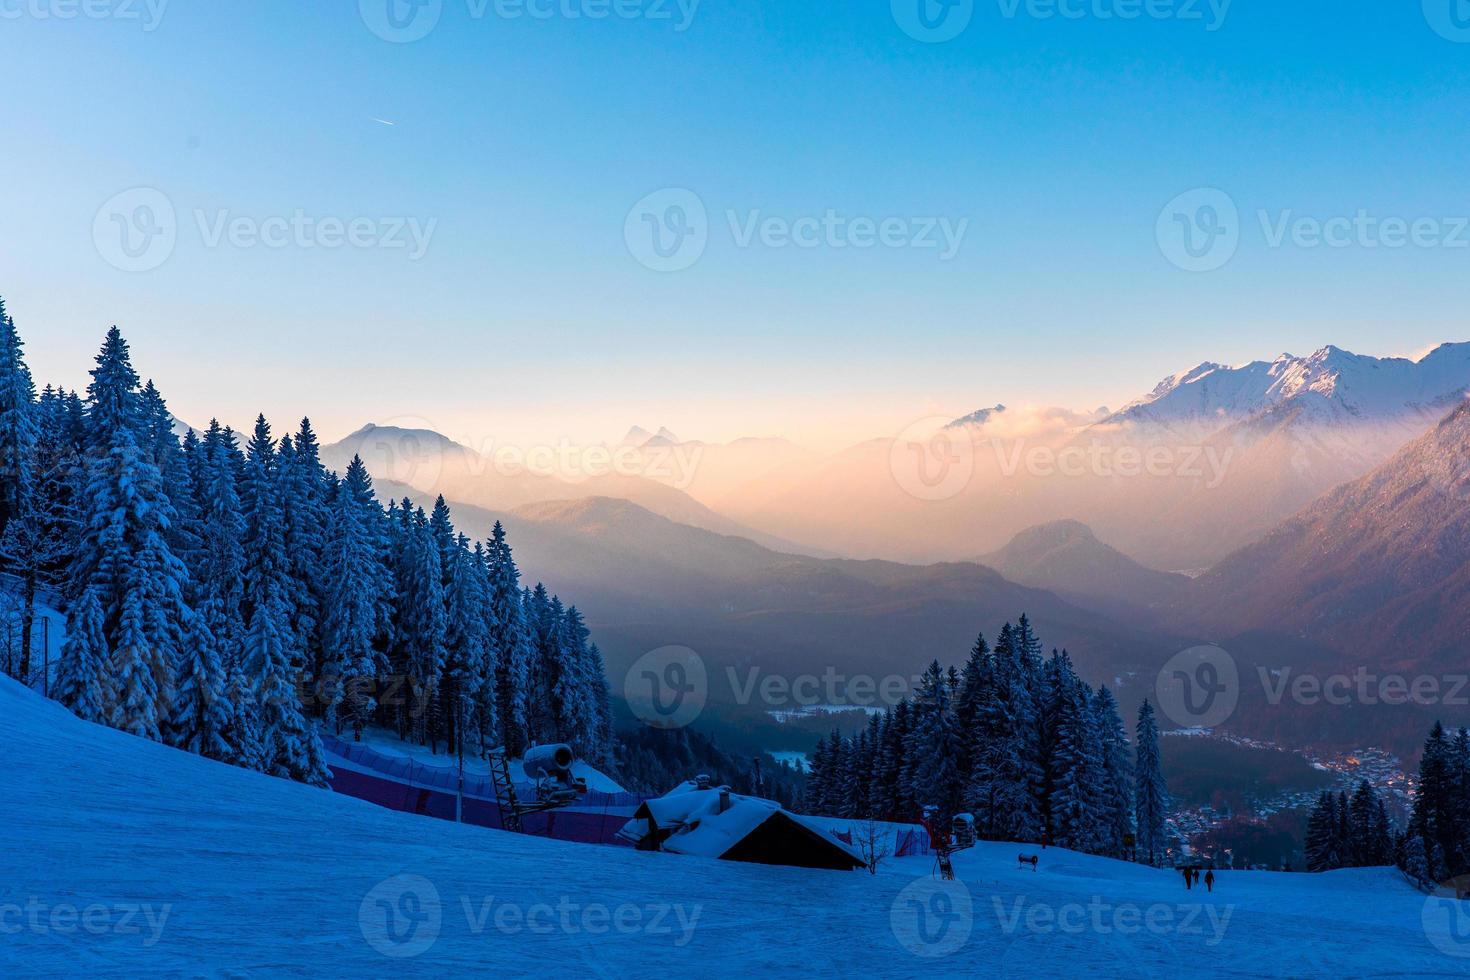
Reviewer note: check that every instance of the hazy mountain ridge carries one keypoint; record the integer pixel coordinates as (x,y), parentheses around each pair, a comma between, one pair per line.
(433,464)
(1377,564)
(1068,559)
(644,582)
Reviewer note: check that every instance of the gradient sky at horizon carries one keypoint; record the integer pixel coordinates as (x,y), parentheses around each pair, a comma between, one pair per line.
(528,140)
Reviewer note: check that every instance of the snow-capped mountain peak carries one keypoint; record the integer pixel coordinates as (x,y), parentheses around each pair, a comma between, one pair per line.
(1328,385)
(978,417)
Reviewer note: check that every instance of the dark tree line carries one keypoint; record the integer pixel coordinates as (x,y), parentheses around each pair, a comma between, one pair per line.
(1345,832)
(1018,741)
(1435,847)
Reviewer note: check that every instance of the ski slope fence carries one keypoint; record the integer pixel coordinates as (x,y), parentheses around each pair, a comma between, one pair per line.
(402,784)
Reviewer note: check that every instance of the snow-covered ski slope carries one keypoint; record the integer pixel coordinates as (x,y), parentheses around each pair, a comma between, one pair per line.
(121,857)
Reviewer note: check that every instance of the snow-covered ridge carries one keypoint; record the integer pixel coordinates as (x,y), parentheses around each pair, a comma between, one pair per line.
(1330,385)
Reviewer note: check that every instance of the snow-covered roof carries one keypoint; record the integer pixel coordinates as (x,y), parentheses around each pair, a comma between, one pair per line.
(696,824)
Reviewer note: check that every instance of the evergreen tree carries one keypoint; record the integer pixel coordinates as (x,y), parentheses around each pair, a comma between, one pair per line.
(1150,792)
(419,625)
(510,643)
(932,745)
(201,713)
(1117,775)
(1434,820)
(289,746)
(468,688)
(1324,844)
(83,683)
(1369,843)
(349,661)
(18,432)
(1004,775)
(124,552)
(306,519)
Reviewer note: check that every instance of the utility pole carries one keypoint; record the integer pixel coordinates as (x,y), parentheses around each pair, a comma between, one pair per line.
(459,739)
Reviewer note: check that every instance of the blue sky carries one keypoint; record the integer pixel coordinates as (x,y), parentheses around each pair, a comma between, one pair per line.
(524,143)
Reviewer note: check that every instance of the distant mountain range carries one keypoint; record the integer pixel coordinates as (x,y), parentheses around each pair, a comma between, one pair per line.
(1233,451)
(433,464)
(1332,386)
(644,581)
(1378,569)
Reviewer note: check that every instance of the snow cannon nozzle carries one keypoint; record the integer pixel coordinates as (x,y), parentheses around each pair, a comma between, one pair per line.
(552,761)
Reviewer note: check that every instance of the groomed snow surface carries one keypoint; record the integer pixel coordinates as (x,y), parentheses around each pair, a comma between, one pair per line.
(121,857)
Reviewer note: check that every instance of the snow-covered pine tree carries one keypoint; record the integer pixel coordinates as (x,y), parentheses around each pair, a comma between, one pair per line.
(544,616)
(289,746)
(510,642)
(1076,763)
(971,692)
(124,552)
(349,663)
(467,670)
(1150,792)
(305,519)
(577,711)
(83,683)
(161,445)
(201,713)
(602,751)
(1117,774)
(18,431)
(931,749)
(419,626)
(1001,794)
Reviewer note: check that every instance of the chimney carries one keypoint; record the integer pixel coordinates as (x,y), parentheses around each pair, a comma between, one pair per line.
(724,798)
(701,781)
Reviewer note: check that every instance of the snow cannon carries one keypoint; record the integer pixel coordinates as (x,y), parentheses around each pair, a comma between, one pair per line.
(549,761)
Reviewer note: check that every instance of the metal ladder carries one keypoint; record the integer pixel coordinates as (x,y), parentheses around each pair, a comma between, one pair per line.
(505,792)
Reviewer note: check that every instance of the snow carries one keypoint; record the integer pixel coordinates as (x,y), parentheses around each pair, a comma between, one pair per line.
(126,858)
(701,828)
(1330,385)
(386,743)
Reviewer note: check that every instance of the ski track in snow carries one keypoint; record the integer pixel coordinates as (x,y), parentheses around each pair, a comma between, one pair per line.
(267,878)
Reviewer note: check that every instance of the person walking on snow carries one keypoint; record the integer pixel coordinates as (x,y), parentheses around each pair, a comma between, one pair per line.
(1188,880)
(1210,879)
